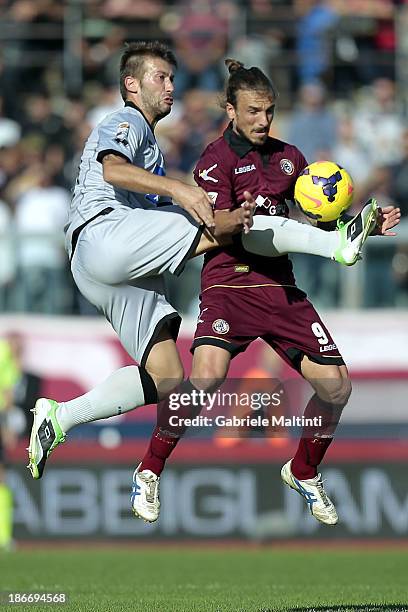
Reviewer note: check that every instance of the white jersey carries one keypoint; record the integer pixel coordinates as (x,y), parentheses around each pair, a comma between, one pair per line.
(120,257)
(125,132)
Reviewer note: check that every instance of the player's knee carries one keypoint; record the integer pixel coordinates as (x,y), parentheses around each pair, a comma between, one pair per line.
(335,390)
(344,389)
(165,384)
(207,376)
(347,390)
(177,375)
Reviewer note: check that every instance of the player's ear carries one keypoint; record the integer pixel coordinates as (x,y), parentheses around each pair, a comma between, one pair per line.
(132,84)
(230,111)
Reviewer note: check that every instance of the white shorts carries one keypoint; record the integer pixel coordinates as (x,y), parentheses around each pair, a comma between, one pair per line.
(118,263)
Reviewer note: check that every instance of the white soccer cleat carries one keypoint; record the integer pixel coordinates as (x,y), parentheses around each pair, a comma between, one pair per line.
(354,233)
(312,490)
(145,495)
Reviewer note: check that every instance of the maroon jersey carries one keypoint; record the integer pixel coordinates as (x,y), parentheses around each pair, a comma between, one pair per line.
(229,166)
(246,296)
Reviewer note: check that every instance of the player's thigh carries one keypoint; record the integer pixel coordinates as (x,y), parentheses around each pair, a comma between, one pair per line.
(331,382)
(127,244)
(137,312)
(164,364)
(296,330)
(210,366)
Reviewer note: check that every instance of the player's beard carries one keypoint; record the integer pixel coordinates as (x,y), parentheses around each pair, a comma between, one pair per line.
(254,138)
(163,112)
(155,106)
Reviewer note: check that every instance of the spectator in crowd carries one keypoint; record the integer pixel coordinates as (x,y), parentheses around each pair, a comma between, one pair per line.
(398,182)
(399,177)
(10,130)
(400,270)
(7,84)
(313,126)
(7,257)
(203,123)
(100,59)
(41,121)
(41,212)
(11,165)
(369,26)
(378,123)
(200,43)
(349,153)
(379,283)
(257,49)
(194,122)
(316,21)
(25,14)
(128,9)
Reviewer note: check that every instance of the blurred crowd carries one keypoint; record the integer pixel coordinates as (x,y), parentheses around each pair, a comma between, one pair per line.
(339,67)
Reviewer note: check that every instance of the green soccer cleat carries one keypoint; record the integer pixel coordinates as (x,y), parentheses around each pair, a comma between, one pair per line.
(46,434)
(354,233)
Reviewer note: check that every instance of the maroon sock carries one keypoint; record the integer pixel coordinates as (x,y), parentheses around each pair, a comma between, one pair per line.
(309,455)
(315,440)
(166,436)
(160,448)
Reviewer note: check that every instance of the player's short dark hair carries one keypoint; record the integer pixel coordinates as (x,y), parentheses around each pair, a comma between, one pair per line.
(250,79)
(133,56)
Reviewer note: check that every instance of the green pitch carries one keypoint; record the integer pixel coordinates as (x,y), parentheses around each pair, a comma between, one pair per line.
(187,579)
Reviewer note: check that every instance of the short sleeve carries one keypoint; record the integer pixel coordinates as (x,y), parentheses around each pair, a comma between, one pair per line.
(120,134)
(210,174)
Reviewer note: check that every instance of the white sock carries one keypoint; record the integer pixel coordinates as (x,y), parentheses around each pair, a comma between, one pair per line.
(276,236)
(120,392)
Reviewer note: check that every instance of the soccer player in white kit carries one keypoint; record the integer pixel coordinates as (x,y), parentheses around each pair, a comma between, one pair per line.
(123,232)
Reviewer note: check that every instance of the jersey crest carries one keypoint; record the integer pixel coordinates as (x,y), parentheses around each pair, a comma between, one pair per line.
(122,133)
(287,166)
(220,326)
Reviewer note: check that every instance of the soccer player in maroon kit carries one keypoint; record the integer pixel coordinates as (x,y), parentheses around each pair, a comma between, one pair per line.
(246,296)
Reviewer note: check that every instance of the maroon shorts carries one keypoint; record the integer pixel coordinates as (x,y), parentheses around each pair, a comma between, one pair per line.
(232,317)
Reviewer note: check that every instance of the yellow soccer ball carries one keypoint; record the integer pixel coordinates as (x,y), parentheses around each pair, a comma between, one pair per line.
(324,190)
